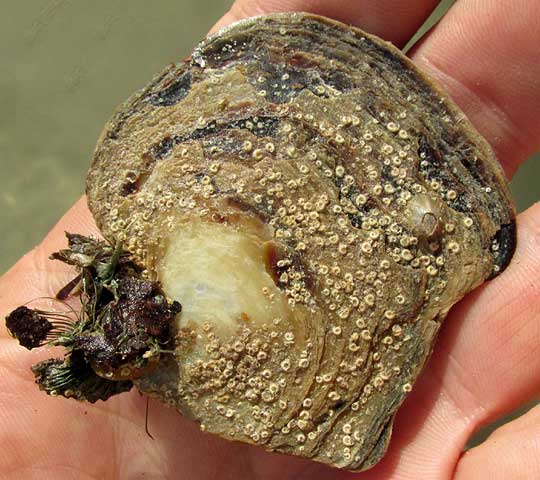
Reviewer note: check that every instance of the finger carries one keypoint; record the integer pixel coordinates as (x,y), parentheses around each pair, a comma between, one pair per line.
(428,436)
(35,276)
(512,451)
(486,53)
(488,357)
(393,20)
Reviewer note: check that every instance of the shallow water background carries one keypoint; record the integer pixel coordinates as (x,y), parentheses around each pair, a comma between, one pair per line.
(64,66)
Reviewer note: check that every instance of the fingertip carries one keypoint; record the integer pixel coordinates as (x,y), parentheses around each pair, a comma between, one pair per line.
(245,9)
(485,53)
(393,20)
(512,451)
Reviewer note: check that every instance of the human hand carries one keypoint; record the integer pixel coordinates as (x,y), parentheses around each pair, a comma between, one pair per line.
(486,362)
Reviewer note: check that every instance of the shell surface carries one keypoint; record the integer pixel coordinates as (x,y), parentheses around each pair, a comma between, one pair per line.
(316,205)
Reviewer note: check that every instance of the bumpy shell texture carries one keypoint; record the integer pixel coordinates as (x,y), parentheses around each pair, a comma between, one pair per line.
(316,205)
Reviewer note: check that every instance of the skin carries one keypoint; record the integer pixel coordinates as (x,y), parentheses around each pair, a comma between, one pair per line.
(487,362)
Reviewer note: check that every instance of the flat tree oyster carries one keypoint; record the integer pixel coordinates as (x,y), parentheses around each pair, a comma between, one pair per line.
(316,205)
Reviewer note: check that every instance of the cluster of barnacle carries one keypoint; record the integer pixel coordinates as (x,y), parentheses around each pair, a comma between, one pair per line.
(315,203)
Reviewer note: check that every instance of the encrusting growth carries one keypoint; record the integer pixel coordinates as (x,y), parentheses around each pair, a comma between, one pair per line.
(120,332)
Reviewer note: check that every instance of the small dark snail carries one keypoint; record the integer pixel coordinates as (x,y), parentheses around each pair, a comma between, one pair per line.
(314,203)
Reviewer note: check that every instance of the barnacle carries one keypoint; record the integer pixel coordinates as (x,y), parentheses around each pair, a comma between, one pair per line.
(317,205)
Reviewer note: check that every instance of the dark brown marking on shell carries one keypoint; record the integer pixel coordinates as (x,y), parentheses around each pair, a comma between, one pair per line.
(173,93)
(243,205)
(503,246)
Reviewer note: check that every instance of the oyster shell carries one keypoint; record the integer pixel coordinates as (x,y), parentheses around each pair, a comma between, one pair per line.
(317,205)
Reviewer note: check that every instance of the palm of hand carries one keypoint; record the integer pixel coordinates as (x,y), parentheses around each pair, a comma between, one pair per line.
(488,342)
